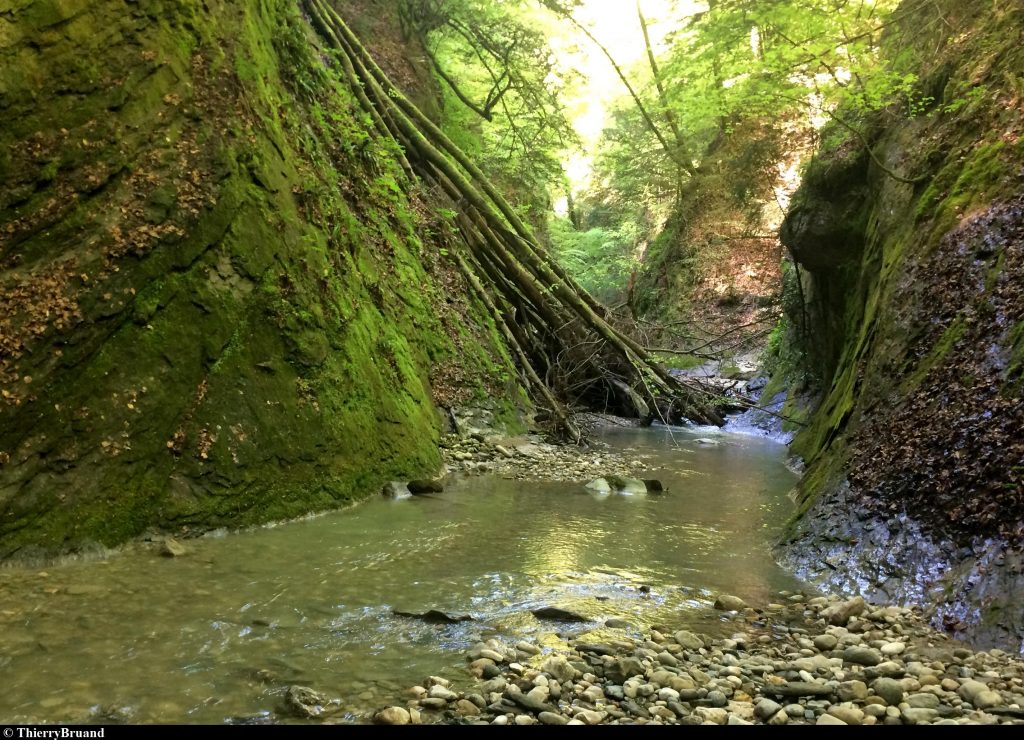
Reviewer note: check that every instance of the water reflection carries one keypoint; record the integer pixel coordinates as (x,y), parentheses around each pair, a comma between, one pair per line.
(221,632)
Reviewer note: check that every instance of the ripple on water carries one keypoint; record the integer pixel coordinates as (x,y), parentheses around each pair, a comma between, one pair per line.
(221,632)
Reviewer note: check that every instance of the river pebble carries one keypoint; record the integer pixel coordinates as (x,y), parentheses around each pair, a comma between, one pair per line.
(879,666)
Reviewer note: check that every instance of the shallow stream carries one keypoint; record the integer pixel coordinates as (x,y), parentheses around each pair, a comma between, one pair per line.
(222,631)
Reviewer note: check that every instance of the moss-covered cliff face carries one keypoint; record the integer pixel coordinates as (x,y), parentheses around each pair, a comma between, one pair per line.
(218,304)
(915,316)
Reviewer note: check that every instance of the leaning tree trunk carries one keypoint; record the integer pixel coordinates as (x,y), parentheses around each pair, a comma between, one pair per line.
(556,331)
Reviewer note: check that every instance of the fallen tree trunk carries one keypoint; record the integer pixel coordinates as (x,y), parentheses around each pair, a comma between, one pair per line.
(568,352)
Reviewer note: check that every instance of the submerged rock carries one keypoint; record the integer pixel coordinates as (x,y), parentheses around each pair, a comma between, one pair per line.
(624,485)
(557,614)
(396,490)
(434,616)
(304,702)
(627,486)
(171,548)
(728,603)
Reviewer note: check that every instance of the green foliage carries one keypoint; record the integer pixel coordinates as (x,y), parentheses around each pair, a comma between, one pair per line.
(601,259)
(501,91)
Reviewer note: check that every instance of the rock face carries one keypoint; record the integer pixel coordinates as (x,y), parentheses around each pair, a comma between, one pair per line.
(213,309)
(912,267)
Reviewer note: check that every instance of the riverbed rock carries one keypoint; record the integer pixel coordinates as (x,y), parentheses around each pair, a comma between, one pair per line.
(861,655)
(171,548)
(424,486)
(558,614)
(396,489)
(530,703)
(918,716)
(623,669)
(392,716)
(848,713)
(757,675)
(528,647)
(713,715)
(688,640)
(852,691)
(970,689)
(304,702)
(923,701)
(825,643)
(599,485)
(559,668)
(552,718)
(626,486)
(889,689)
(729,603)
(590,716)
(434,616)
(766,708)
(840,614)
(987,699)
(890,649)
(440,692)
(653,485)
(797,688)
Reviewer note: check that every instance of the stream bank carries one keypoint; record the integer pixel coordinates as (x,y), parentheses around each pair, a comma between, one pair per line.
(800,660)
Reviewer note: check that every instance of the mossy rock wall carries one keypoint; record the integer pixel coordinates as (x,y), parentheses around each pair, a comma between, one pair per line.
(219,303)
(916,302)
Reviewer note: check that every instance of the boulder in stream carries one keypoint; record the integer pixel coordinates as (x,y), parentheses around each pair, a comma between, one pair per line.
(420,487)
(396,489)
(557,614)
(729,603)
(171,548)
(434,616)
(623,485)
(304,702)
(626,486)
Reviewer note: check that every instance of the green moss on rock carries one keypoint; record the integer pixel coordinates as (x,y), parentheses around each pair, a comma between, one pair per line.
(223,313)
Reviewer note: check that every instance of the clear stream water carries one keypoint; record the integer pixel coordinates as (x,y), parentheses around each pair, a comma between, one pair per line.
(221,632)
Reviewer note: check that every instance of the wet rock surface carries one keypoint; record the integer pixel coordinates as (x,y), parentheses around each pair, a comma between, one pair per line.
(785,663)
(972,591)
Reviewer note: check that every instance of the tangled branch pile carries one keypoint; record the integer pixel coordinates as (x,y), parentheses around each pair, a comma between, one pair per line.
(566,350)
